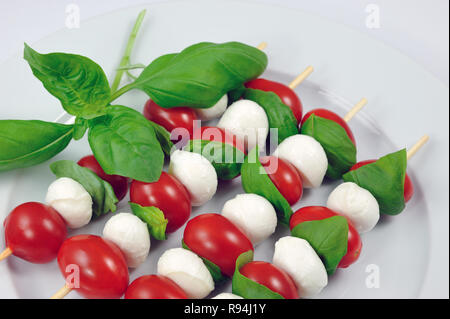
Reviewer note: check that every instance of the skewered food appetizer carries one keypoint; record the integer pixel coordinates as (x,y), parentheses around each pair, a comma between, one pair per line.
(100,264)
(33,232)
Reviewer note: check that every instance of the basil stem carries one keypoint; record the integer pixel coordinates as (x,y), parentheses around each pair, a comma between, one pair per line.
(126,57)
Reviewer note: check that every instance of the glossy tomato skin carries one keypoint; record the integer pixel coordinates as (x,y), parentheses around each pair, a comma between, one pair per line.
(171,118)
(35,232)
(154,287)
(285,178)
(215,238)
(285,93)
(327,114)
(310,213)
(217,134)
(271,277)
(118,183)
(408,191)
(103,271)
(168,194)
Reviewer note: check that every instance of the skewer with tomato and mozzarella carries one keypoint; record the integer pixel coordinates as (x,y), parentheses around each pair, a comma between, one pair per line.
(374,187)
(335,136)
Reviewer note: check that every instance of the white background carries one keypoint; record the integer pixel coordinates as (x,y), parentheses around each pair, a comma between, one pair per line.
(418,28)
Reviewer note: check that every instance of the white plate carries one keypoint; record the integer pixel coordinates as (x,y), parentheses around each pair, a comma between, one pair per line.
(410,251)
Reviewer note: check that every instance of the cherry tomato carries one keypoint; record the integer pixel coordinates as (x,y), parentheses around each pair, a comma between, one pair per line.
(216,134)
(285,93)
(154,287)
(172,118)
(326,114)
(118,183)
(309,213)
(408,188)
(35,232)
(101,266)
(285,178)
(168,194)
(215,238)
(272,277)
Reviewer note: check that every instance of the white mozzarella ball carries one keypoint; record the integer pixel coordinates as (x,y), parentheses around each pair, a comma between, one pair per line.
(214,111)
(253,214)
(307,155)
(196,173)
(357,204)
(248,121)
(131,235)
(296,257)
(71,200)
(227,295)
(187,270)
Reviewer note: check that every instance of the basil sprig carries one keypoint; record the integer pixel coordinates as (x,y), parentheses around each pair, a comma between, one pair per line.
(78,82)
(247,288)
(102,193)
(28,143)
(340,150)
(328,237)
(163,137)
(153,217)
(225,158)
(213,269)
(255,180)
(124,143)
(385,179)
(201,74)
(280,116)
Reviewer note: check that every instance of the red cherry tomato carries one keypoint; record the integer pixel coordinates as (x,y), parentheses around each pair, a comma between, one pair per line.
(154,287)
(216,134)
(172,118)
(272,277)
(309,213)
(118,183)
(285,178)
(326,114)
(101,266)
(35,232)
(168,194)
(408,188)
(215,238)
(285,93)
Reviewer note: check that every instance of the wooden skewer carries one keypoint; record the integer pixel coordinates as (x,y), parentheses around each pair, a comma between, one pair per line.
(262,46)
(301,77)
(413,150)
(61,293)
(5,254)
(355,109)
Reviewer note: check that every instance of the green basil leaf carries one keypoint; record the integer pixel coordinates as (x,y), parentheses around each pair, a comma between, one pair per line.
(201,74)
(163,137)
(215,271)
(280,116)
(255,180)
(340,150)
(226,159)
(78,82)
(102,193)
(153,217)
(328,237)
(385,179)
(28,143)
(247,288)
(79,128)
(236,94)
(124,143)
